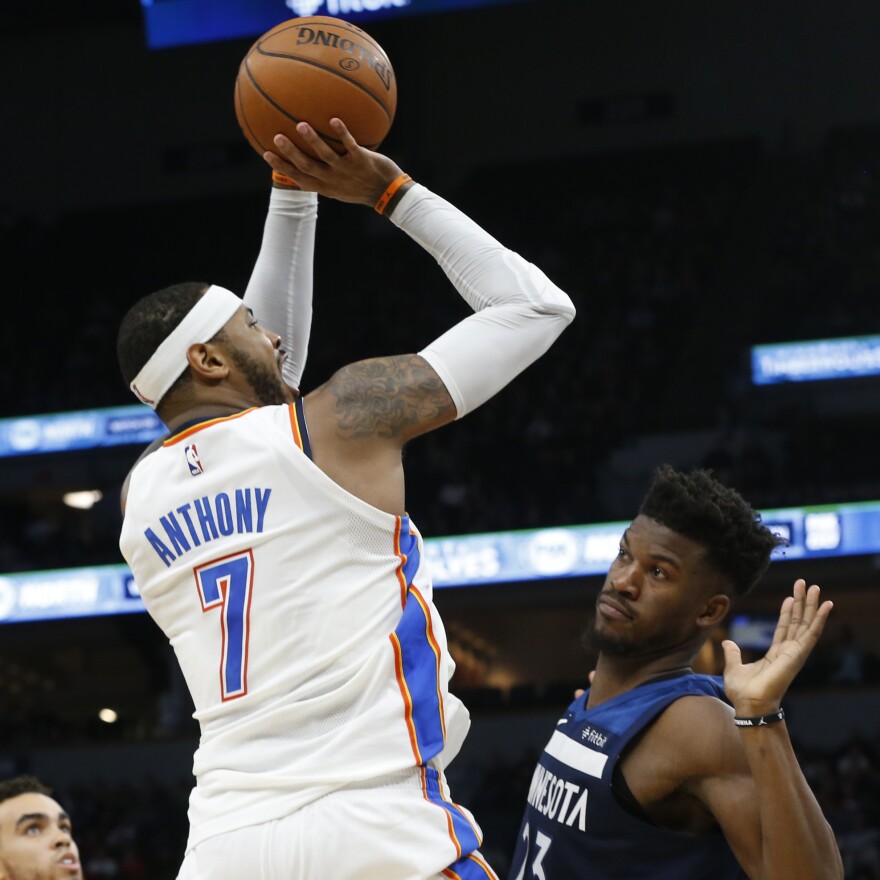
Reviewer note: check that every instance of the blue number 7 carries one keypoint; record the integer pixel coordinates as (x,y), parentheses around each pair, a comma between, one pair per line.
(227,583)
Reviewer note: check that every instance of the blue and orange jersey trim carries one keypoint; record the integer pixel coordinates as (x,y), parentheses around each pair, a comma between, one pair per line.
(465,836)
(406,548)
(407,697)
(194,427)
(435,648)
(417,664)
(299,428)
(417,653)
(470,867)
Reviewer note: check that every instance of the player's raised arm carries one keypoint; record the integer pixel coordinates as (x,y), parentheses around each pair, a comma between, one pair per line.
(519,311)
(743,769)
(280,288)
(795,838)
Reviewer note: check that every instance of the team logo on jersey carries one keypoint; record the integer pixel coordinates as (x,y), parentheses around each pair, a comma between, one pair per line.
(193,460)
(593,736)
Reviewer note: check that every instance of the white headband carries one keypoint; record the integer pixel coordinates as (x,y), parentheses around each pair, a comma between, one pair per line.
(203,321)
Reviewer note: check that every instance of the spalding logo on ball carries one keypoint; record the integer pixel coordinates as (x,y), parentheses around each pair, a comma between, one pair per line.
(312,69)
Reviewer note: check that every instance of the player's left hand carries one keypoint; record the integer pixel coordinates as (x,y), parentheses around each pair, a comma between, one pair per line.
(358,175)
(757,688)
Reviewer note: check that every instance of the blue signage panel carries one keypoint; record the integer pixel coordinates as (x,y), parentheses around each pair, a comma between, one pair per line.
(529,555)
(847,358)
(72,592)
(466,560)
(86,429)
(178,22)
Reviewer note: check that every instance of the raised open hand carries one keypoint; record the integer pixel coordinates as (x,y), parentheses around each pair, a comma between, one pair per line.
(757,688)
(358,175)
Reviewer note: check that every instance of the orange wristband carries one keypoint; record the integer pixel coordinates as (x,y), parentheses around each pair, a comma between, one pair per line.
(388,195)
(280,179)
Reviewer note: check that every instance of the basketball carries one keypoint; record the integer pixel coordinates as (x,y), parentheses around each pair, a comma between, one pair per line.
(310,70)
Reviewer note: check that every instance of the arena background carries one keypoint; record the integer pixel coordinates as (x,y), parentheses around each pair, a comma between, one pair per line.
(700,177)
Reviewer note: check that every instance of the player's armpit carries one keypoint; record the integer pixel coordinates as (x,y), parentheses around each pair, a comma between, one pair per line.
(390,398)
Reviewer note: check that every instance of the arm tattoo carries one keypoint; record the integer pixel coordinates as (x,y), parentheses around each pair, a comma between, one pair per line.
(390,397)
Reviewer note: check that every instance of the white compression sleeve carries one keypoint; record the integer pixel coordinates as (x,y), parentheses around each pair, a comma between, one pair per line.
(280,288)
(520,312)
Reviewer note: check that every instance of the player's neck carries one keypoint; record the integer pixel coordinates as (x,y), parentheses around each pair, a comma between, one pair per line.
(616,675)
(203,412)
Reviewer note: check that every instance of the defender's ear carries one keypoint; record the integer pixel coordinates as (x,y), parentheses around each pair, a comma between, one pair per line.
(715,609)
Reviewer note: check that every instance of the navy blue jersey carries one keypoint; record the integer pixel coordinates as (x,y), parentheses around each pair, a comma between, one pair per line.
(574,825)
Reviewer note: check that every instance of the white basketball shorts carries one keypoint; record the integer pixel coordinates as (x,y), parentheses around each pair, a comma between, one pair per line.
(400,828)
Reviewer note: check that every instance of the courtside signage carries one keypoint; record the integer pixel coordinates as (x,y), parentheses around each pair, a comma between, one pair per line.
(817,360)
(467,560)
(72,592)
(86,429)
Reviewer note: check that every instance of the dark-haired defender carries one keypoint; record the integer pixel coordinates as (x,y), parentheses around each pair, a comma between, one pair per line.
(650,774)
(36,837)
(270,541)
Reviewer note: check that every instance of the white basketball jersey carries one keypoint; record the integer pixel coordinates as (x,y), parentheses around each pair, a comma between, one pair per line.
(301,617)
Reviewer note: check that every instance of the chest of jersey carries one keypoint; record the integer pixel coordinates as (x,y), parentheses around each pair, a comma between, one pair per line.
(574,826)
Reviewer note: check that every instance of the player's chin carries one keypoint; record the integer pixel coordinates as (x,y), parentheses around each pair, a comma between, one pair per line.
(608,641)
(273,394)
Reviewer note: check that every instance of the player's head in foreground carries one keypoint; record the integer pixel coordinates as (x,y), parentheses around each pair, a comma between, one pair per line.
(192,345)
(694,547)
(36,837)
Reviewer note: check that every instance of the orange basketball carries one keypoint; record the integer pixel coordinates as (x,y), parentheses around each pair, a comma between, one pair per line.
(312,69)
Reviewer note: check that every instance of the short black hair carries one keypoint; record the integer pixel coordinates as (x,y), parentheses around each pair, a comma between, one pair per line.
(10,788)
(738,545)
(148,323)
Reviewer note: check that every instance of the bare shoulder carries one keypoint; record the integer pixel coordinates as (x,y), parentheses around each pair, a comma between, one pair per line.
(701,731)
(673,767)
(704,709)
(689,741)
(391,398)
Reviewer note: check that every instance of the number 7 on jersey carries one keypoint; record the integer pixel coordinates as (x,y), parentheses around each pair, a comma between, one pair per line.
(227,584)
